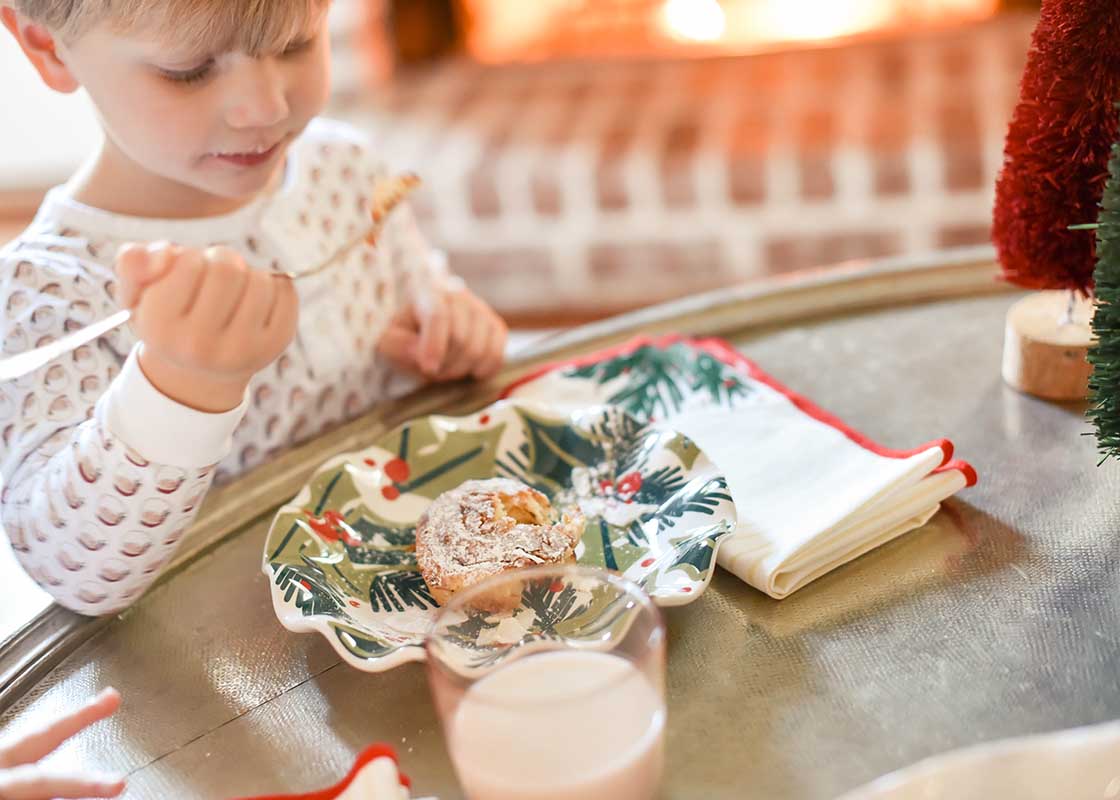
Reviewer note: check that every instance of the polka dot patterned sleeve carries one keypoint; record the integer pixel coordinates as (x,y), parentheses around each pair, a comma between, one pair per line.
(91,520)
(103,474)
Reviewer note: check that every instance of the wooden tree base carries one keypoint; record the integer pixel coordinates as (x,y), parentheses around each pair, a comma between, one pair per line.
(1045,348)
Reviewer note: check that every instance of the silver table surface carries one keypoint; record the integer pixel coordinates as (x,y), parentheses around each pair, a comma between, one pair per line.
(1000,617)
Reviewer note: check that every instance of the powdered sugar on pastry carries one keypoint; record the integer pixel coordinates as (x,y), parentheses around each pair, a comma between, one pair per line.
(483,528)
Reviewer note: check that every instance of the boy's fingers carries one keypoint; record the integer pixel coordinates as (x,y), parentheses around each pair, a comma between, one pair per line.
(477,338)
(40,743)
(145,263)
(35,783)
(285,307)
(400,345)
(175,294)
(407,318)
(132,268)
(256,303)
(491,363)
(435,335)
(162,256)
(224,282)
(458,362)
(470,338)
(132,261)
(127,253)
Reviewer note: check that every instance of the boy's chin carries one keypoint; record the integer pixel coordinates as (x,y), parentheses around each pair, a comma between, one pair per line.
(238,187)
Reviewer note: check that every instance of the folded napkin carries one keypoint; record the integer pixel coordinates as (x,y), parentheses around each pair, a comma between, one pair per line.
(375,776)
(810,492)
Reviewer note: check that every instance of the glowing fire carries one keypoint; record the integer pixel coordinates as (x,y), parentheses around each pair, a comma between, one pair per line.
(818,19)
(694,20)
(509,30)
(801,20)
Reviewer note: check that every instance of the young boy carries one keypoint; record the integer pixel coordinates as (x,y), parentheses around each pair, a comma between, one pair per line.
(214,174)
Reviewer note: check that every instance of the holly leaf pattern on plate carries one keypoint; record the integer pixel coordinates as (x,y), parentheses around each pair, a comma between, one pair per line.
(341,555)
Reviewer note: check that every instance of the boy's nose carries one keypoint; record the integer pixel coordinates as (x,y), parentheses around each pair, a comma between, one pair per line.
(260,99)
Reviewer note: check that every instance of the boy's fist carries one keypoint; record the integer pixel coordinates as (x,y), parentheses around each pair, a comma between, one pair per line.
(207,321)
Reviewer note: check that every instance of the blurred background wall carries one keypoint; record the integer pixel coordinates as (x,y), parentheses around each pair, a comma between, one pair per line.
(584,157)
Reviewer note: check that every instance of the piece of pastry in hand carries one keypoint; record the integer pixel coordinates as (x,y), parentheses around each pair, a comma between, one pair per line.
(387,195)
(488,527)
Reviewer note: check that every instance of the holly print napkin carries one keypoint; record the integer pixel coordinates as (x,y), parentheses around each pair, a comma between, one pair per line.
(811,494)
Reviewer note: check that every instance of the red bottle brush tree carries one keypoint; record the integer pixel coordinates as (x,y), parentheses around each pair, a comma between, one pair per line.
(1056,158)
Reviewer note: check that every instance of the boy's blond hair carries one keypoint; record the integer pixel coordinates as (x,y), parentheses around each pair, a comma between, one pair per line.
(254,27)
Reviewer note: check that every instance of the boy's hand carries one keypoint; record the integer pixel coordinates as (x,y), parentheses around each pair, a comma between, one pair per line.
(22,778)
(207,322)
(453,335)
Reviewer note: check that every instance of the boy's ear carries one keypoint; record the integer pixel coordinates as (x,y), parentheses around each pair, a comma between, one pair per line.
(38,45)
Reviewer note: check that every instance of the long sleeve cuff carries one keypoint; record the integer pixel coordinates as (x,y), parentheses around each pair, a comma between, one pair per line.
(162,430)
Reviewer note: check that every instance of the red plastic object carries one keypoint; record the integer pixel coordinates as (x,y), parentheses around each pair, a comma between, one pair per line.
(367,757)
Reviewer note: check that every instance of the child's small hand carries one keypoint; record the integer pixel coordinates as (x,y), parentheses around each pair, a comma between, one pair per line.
(21,776)
(207,322)
(453,335)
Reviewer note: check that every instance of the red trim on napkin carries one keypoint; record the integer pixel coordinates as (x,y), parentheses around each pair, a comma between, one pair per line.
(723,351)
(367,757)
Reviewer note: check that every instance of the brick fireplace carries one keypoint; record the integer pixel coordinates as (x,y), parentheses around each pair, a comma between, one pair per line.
(567,185)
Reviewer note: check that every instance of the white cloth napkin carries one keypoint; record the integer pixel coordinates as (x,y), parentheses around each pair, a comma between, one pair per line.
(811,494)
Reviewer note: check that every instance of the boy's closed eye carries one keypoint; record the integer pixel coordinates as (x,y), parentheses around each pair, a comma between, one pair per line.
(201,72)
(193,75)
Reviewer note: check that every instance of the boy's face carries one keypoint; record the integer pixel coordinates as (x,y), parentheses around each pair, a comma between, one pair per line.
(219,123)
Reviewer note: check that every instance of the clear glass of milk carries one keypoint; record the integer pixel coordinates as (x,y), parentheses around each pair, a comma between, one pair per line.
(557,697)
